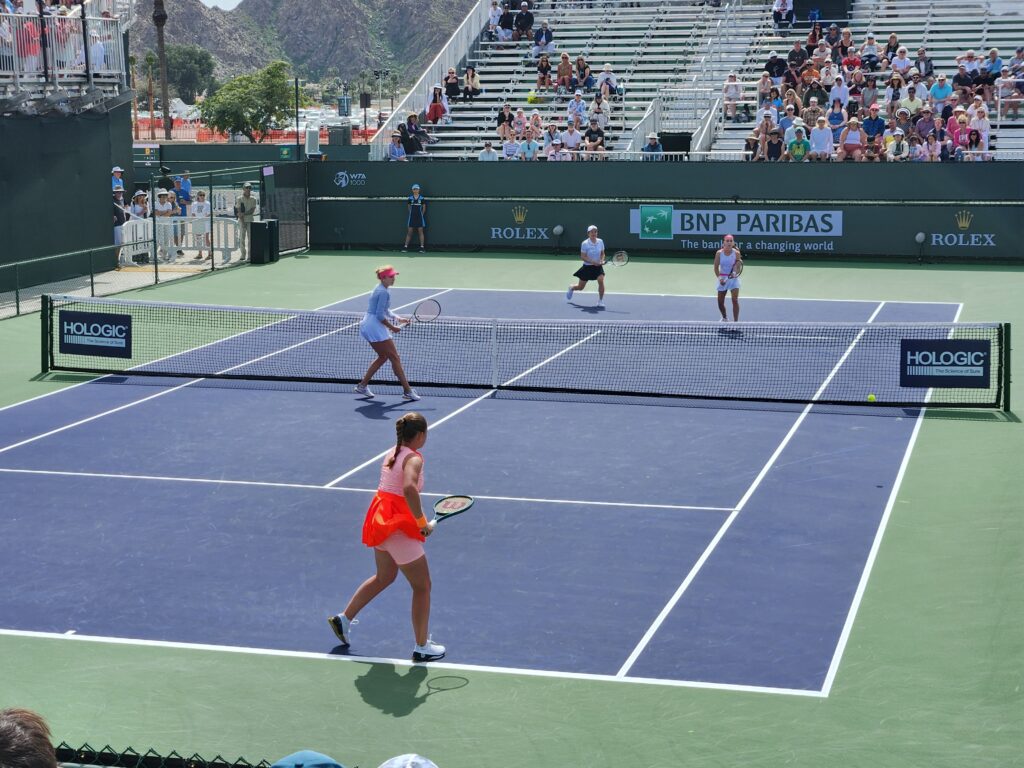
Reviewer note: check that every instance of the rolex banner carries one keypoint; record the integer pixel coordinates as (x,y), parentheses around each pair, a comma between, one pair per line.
(887,229)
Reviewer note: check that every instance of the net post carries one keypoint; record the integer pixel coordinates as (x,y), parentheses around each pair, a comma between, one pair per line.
(44,336)
(17,289)
(92,274)
(494,353)
(1006,367)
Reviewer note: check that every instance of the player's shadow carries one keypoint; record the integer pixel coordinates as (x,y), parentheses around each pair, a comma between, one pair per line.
(593,309)
(385,689)
(377,409)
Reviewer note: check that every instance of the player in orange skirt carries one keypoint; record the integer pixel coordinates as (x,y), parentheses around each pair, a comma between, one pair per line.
(396,528)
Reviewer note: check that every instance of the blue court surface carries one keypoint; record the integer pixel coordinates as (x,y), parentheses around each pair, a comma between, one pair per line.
(683,543)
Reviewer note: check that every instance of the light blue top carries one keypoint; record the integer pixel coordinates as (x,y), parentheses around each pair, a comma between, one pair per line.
(380,304)
(591,251)
(941,92)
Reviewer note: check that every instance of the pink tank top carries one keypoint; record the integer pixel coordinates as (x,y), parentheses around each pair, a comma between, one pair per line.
(392,479)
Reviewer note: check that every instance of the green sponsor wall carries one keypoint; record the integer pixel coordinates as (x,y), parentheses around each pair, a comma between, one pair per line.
(882,230)
(674,181)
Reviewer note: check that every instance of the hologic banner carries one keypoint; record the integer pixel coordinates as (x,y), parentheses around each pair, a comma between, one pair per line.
(952,363)
(98,334)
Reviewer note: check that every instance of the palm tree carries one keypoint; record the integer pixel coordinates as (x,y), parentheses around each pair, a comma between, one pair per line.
(159,19)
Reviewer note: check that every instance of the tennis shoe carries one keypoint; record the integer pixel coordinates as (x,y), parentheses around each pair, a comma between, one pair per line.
(423,250)
(568,293)
(410,396)
(405,249)
(360,389)
(429,651)
(600,303)
(342,627)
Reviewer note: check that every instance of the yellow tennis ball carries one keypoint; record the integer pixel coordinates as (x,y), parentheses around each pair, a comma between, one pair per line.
(872,398)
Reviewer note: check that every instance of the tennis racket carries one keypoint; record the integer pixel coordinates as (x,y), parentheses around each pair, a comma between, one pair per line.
(426,311)
(619,259)
(450,506)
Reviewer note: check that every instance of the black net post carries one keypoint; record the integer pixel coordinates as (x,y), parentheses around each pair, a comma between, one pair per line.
(1006,367)
(45,343)
(17,290)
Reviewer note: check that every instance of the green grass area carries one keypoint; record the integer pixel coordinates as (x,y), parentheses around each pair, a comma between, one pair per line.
(931,676)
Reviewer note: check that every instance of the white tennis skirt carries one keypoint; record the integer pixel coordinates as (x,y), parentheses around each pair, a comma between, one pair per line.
(732,283)
(372,329)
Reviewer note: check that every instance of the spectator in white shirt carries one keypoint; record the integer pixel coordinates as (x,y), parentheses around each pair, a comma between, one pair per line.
(200,212)
(571,139)
(576,111)
(510,149)
(487,154)
(901,63)
(732,92)
(493,17)
(607,83)
(782,12)
(821,141)
(558,153)
(839,91)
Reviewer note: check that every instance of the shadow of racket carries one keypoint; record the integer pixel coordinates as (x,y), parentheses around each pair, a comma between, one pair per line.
(443,683)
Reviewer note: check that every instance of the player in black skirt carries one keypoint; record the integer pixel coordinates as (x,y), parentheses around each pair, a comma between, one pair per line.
(417,218)
(592,254)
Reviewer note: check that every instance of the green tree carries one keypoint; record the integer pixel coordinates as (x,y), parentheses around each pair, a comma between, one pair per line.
(189,70)
(251,104)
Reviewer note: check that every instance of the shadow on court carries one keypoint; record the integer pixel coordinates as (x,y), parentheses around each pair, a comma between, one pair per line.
(398,695)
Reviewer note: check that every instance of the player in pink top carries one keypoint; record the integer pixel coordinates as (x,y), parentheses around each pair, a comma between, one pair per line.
(396,527)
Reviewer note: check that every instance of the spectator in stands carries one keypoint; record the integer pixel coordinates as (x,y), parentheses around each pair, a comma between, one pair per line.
(183,197)
(833,36)
(577,109)
(773,149)
(493,18)
(786,118)
(752,147)
(904,121)
(840,92)
(775,67)
(563,74)
(799,149)
(850,63)
(971,63)
(924,65)
(782,13)
(941,95)
(593,140)
(451,86)
(1009,96)
(816,92)
(912,102)
(6,42)
(958,134)
(536,123)
(870,53)
(523,29)
(791,79)
(836,117)
(845,44)
(852,142)
(925,125)
(519,124)
(798,55)
(822,54)
(917,151)
(437,108)
(504,123)
(873,124)
(821,140)
(1017,68)
(201,216)
(116,177)
(558,153)
(963,83)
(550,134)
(652,150)
(791,99)
(583,77)
(25,740)
(982,124)
(828,74)
(895,92)
(607,83)
(471,87)
(572,139)
(899,150)
(417,132)
(97,52)
(732,92)
(597,113)
(543,72)
(808,74)
(245,210)
(891,49)
(506,24)
(510,149)
(764,88)
(989,71)
(932,149)
(396,152)
(812,112)
(529,149)
(856,83)
(869,92)
(975,151)
(162,209)
(901,63)
(775,99)
(543,40)
(814,37)
(487,154)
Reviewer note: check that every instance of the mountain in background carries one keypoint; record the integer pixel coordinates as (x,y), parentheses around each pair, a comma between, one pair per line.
(315,36)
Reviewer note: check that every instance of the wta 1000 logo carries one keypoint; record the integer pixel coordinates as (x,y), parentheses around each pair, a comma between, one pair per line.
(946,363)
(345,179)
(96,334)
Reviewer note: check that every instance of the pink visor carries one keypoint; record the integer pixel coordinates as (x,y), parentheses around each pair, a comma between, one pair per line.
(387,273)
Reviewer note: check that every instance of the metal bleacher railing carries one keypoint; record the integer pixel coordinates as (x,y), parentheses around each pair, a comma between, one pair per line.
(60,61)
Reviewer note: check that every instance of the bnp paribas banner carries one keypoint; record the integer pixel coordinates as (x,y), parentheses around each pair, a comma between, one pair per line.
(883,229)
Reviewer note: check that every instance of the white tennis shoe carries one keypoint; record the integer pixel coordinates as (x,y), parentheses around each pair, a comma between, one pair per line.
(568,293)
(410,396)
(341,625)
(360,389)
(600,303)
(429,651)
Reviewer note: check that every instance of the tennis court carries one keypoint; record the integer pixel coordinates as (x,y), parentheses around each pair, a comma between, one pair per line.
(672,543)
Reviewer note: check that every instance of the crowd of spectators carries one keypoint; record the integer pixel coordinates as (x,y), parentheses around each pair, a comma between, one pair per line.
(22,44)
(830,98)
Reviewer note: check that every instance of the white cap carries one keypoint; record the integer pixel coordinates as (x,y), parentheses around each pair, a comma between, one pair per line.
(772,53)
(578,93)
(592,228)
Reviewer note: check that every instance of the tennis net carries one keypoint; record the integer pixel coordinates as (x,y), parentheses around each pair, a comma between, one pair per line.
(878,364)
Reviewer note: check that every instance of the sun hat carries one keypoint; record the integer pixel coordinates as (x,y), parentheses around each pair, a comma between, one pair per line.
(652,135)
(592,228)
(117,168)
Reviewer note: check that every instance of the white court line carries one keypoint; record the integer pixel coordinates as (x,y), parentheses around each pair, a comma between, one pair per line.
(844,636)
(649,634)
(685,296)
(305,486)
(407,663)
(470,404)
(109,375)
(189,383)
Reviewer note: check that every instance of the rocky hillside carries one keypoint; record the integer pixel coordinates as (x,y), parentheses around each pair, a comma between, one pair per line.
(313,35)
